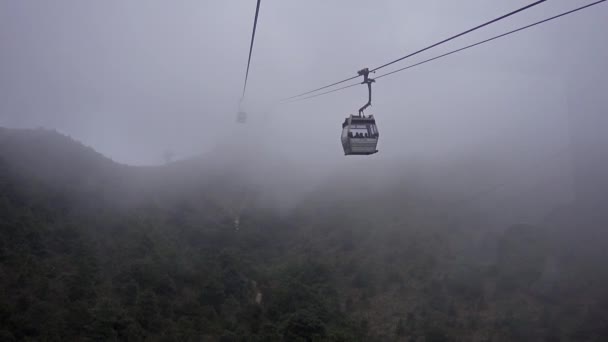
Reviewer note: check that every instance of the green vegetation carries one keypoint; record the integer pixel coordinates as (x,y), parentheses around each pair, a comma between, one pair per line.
(91,250)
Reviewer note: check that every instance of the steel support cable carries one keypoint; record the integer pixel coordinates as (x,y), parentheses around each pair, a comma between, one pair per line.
(320,94)
(460,34)
(491,39)
(426,48)
(255,23)
(325,87)
(466,47)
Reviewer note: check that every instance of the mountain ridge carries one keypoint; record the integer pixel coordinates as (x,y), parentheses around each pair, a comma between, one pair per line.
(94,250)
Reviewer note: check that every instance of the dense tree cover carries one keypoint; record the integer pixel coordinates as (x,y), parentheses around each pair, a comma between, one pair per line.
(79,262)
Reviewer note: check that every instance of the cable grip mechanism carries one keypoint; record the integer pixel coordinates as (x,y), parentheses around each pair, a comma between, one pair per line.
(366,80)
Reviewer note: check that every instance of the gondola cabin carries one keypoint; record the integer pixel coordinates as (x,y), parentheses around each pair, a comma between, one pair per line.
(359,135)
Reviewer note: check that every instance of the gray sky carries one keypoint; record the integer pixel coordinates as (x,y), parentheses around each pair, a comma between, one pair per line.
(135,78)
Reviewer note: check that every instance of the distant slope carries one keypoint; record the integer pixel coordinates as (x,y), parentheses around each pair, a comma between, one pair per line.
(67,165)
(51,156)
(94,250)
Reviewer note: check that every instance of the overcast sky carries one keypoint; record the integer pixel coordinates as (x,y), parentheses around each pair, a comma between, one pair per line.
(133,79)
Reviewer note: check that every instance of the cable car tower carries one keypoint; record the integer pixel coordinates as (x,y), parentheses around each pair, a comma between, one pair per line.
(359,132)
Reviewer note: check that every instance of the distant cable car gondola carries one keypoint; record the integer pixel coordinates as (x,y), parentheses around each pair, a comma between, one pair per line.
(241,117)
(359,132)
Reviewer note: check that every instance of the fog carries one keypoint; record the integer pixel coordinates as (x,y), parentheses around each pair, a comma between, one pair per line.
(142,209)
(134,80)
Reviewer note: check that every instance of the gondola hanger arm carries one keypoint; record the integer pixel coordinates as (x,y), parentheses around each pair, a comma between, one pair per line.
(366,80)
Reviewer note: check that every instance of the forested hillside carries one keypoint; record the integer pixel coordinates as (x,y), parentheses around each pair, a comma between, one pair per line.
(94,250)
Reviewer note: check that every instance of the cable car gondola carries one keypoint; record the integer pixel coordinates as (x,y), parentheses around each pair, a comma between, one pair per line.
(359,135)
(241,117)
(359,132)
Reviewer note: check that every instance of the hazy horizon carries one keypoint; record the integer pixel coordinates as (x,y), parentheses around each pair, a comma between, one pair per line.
(134,80)
(133,206)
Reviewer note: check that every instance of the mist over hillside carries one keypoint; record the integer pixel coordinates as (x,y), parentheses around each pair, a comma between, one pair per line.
(411,171)
(235,245)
